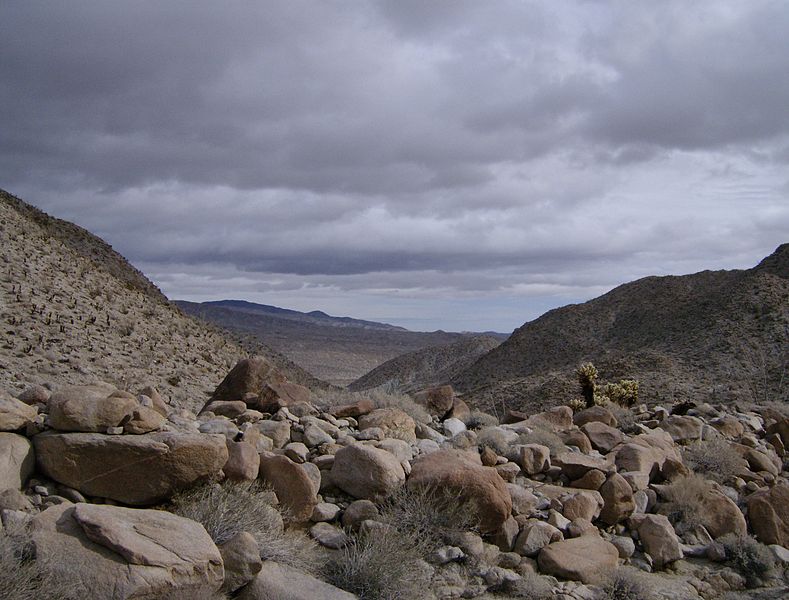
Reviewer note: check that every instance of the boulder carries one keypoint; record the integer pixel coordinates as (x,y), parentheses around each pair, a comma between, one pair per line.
(137,470)
(583,558)
(532,458)
(594,414)
(243,461)
(294,488)
(682,428)
(558,418)
(658,537)
(461,473)
(460,410)
(575,465)
(618,503)
(591,480)
(157,402)
(534,536)
(357,512)
(768,514)
(15,414)
(277,431)
(393,421)
(144,420)
(17,461)
(241,558)
(284,582)
(604,438)
(715,511)
(582,504)
(114,552)
(437,400)
(366,472)
(35,394)
(226,408)
(89,408)
(361,407)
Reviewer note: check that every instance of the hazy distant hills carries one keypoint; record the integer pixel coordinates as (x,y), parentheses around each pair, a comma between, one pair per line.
(73,310)
(714,335)
(426,367)
(335,349)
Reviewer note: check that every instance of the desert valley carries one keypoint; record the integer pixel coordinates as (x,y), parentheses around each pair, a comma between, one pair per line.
(633,446)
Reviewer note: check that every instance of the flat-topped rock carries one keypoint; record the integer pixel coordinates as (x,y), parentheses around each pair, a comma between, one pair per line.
(583,558)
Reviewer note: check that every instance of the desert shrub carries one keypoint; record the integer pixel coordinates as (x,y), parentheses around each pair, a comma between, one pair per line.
(624,393)
(576,404)
(479,420)
(22,577)
(713,458)
(626,583)
(529,587)
(751,559)
(545,438)
(434,516)
(684,497)
(379,566)
(493,438)
(232,507)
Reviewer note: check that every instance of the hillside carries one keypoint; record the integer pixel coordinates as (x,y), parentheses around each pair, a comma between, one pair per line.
(427,367)
(721,335)
(335,349)
(73,310)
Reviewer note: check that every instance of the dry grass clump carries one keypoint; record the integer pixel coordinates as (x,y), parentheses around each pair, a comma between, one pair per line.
(22,577)
(529,587)
(751,559)
(232,507)
(715,459)
(627,583)
(493,438)
(380,566)
(684,501)
(480,420)
(626,419)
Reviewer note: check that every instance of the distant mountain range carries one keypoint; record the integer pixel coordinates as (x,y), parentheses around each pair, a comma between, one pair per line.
(335,349)
(719,336)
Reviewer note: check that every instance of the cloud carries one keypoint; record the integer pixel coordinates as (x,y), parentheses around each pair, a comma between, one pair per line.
(345,152)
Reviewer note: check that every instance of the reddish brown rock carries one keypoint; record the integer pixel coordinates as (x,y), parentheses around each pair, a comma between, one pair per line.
(461,473)
(594,414)
(768,514)
(393,421)
(437,400)
(355,410)
(579,559)
(292,484)
(243,461)
(618,503)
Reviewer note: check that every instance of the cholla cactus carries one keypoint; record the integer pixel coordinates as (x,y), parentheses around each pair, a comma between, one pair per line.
(587,377)
(624,393)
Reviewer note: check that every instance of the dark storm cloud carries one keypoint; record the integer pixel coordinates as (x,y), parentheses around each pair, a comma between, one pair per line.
(450,147)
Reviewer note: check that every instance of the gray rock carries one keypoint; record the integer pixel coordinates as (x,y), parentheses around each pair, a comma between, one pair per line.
(17,461)
(328,535)
(283,582)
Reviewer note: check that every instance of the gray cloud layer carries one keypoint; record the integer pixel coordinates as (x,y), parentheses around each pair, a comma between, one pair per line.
(448,163)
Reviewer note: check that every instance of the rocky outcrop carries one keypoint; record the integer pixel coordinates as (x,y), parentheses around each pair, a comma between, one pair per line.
(366,472)
(89,408)
(17,461)
(135,470)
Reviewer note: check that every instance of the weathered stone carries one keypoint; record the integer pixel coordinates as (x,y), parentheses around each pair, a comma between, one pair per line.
(283,582)
(243,461)
(138,470)
(580,559)
(577,438)
(13,499)
(524,502)
(113,552)
(355,410)
(534,536)
(15,414)
(768,514)
(462,473)
(618,503)
(314,436)
(658,537)
(35,394)
(292,484)
(328,535)
(437,400)
(277,431)
(89,409)
(453,427)
(682,428)
(533,458)
(594,414)
(393,421)
(604,438)
(575,465)
(144,420)
(324,511)
(297,452)
(241,558)
(581,504)
(17,461)
(226,408)
(557,418)
(460,410)
(505,537)
(357,512)
(220,426)
(488,457)
(591,480)
(508,471)
(366,472)
(159,405)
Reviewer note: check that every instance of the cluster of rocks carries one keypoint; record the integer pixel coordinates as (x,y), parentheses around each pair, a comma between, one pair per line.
(80,467)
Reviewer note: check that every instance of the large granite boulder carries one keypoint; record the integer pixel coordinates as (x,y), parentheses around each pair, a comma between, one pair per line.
(458,472)
(101,551)
(658,537)
(583,558)
(17,461)
(15,414)
(366,472)
(137,470)
(393,421)
(292,483)
(768,514)
(437,400)
(282,582)
(89,408)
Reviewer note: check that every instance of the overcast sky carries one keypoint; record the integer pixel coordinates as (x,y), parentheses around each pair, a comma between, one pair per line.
(452,164)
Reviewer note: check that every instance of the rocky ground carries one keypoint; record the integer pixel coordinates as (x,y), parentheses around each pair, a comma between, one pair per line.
(290,494)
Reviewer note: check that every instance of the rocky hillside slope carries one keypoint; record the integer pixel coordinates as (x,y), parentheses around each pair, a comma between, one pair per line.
(75,311)
(427,367)
(334,349)
(714,335)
